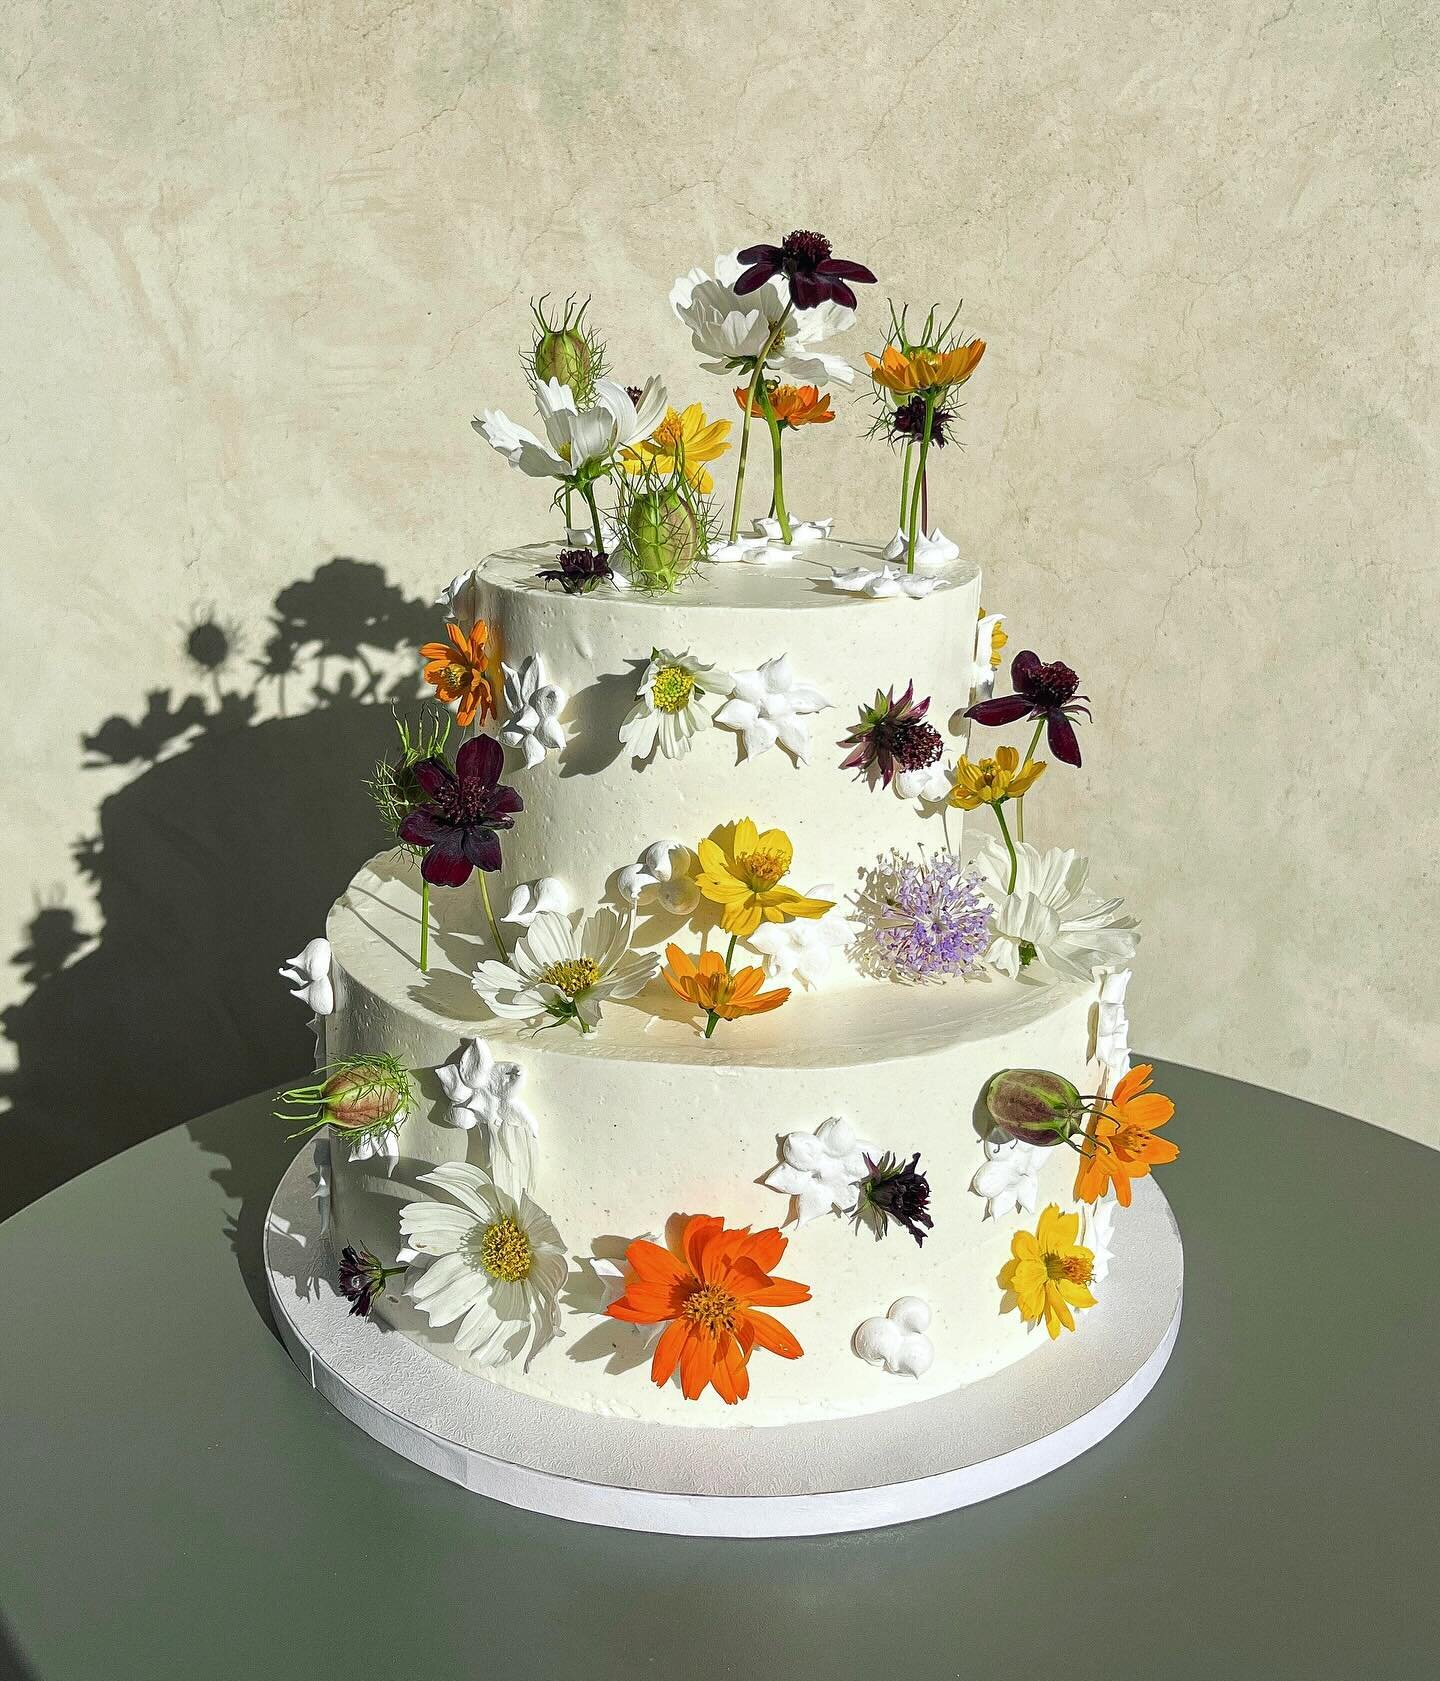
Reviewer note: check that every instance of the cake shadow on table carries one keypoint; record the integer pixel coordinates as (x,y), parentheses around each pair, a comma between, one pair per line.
(155,1001)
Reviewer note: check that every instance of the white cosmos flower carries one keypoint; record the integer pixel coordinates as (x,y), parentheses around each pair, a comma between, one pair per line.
(1097,1233)
(887,581)
(565,971)
(482,1093)
(309,974)
(803,949)
(1007,1177)
(532,897)
(532,711)
(497,1265)
(770,705)
(675,701)
(821,1170)
(663,874)
(574,438)
(1072,933)
(726,328)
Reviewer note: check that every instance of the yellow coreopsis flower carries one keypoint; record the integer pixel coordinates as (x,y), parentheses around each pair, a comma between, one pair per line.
(1050,1273)
(911,373)
(682,437)
(741,870)
(991,780)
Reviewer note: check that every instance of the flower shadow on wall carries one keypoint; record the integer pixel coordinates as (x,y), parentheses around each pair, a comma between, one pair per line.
(243,814)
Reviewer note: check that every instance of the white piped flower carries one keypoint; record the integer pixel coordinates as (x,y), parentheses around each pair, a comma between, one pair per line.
(821,1170)
(934,549)
(566,972)
(532,711)
(755,551)
(898,1341)
(497,1265)
(532,897)
(574,438)
(887,581)
(1097,1229)
(770,705)
(1007,1177)
(322,1176)
(482,1093)
(461,599)
(675,701)
(1112,1025)
(982,676)
(664,874)
(803,949)
(930,784)
(309,973)
(1071,932)
(803,532)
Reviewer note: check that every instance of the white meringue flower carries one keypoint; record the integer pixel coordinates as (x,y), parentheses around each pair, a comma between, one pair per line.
(803,949)
(821,1170)
(898,1341)
(936,549)
(309,971)
(531,897)
(575,439)
(1112,1025)
(1068,931)
(482,1092)
(770,705)
(754,551)
(1097,1233)
(566,972)
(930,784)
(1007,1177)
(888,581)
(532,711)
(322,1176)
(663,874)
(461,599)
(675,701)
(802,531)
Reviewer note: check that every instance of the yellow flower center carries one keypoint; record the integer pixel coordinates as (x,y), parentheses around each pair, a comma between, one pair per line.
(572,975)
(1077,1269)
(672,689)
(669,432)
(993,780)
(505,1251)
(761,869)
(711,1308)
(456,675)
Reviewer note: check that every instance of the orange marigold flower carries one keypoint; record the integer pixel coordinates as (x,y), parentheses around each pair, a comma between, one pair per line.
(793,405)
(712,986)
(460,672)
(712,1288)
(1120,1143)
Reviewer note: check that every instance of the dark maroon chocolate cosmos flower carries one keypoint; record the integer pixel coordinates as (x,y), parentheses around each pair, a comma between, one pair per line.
(908,421)
(892,736)
(804,259)
(577,571)
(1041,691)
(457,824)
(362,1278)
(895,1190)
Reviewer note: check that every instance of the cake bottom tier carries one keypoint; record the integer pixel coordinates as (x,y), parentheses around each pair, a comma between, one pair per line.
(647,1122)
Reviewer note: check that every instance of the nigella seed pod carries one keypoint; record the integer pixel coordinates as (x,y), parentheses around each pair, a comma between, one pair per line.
(363,1095)
(1034,1106)
(565,356)
(665,538)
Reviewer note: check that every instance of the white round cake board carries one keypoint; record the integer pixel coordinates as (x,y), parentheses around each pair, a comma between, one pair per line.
(803,1479)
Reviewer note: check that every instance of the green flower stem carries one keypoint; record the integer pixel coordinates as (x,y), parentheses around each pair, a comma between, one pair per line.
(587,490)
(931,398)
(568,494)
(1009,844)
(767,408)
(1020,801)
(424,926)
(755,381)
(905,485)
(495,934)
(713,1020)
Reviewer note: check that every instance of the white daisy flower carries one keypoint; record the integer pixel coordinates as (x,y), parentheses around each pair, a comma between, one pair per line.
(821,1170)
(566,973)
(532,711)
(482,1093)
(497,1265)
(575,439)
(1049,918)
(675,701)
(309,974)
(802,950)
(531,897)
(664,875)
(1007,1177)
(770,705)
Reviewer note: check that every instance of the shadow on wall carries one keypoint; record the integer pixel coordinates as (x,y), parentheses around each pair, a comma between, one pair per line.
(243,819)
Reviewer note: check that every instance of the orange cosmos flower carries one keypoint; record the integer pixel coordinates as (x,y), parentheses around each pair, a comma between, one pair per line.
(711,1288)
(459,672)
(794,405)
(712,986)
(924,370)
(1120,1140)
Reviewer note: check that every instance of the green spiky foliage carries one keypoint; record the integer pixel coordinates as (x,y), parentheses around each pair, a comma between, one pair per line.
(393,787)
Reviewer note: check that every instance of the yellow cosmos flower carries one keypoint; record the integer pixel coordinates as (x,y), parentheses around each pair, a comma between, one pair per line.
(991,780)
(1050,1273)
(681,437)
(924,370)
(741,870)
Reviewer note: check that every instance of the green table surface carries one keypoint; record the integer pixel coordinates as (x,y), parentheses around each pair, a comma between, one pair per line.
(177,1501)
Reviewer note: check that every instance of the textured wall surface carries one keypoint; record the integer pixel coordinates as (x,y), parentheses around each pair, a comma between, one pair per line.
(263,261)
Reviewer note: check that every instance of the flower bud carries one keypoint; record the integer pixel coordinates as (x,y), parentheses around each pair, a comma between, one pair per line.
(664,538)
(565,355)
(364,1094)
(1033,1106)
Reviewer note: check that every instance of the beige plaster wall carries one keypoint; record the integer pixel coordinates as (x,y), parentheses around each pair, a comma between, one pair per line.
(262,261)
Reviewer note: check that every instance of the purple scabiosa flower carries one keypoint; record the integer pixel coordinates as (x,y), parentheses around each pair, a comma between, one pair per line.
(908,422)
(362,1279)
(891,736)
(814,276)
(1041,691)
(897,1190)
(457,825)
(577,571)
(921,919)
